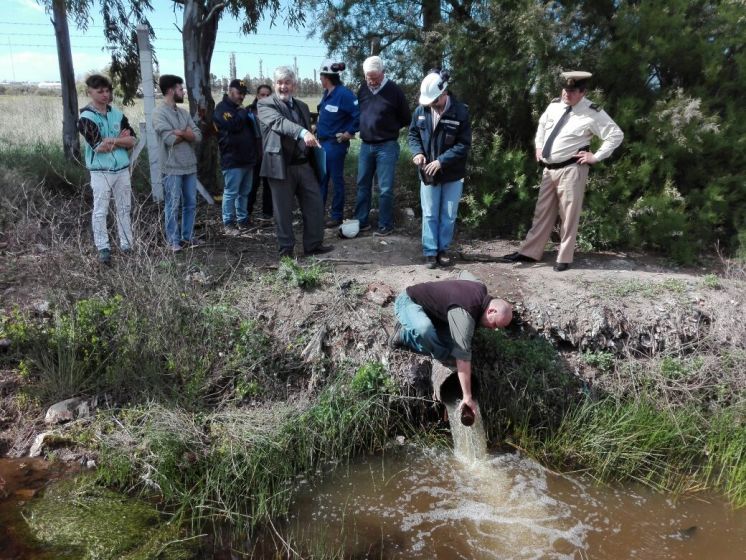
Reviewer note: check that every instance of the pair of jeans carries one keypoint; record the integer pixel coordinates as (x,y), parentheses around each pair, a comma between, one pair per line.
(238,182)
(418,331)
(439,210)
(380,160)
(180,190)
(104,185)
(335,170)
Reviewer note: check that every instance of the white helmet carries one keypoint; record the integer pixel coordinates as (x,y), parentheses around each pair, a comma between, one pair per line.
(331,67)
(349,229)
(432,86)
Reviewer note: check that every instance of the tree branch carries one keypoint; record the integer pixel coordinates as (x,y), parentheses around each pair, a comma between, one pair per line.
(209,16)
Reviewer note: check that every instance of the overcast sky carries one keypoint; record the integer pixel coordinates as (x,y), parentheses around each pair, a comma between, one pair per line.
(28,51)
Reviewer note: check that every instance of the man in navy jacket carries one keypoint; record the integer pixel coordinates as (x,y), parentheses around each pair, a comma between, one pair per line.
(439,139)
(237,138)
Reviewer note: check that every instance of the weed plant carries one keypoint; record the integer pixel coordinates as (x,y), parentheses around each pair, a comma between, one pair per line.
(241,466)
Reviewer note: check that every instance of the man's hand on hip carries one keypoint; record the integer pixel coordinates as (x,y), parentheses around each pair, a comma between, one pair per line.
(586,158)
(419,160)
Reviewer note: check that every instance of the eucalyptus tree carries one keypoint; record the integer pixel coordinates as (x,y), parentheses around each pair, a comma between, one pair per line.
(200,21)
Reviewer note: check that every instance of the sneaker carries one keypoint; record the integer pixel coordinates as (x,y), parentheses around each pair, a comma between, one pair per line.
(396,341)
(176,247)
(231,230)
(383,232)
(125,250)
(332,223)
(444,260)
(264,218)
(104,256)
(244,226)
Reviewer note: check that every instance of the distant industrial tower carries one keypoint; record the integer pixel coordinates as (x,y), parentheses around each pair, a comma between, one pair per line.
(233,66)
(295,67)
(261,72)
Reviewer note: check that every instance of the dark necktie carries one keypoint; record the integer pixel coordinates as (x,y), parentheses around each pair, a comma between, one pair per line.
(294,115)
(547,151)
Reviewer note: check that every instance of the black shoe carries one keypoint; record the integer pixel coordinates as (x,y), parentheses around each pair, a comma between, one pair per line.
(332,223)
(383,231)
(561,267)
(286,252)
(517,257)
(320,250)
(431,262)
(396,341)
(366,227)
(444,260)
(104,256)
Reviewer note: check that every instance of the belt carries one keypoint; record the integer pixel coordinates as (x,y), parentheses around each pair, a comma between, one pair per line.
(565,163)
(299,161)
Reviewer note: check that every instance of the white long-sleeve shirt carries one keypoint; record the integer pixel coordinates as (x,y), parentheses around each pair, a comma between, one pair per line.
(586,121)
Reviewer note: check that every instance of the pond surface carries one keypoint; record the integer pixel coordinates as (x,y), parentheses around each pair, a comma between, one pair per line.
(434,503)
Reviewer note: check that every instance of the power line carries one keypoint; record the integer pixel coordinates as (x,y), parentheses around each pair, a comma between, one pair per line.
(164,49)
(219,41)
(15,24)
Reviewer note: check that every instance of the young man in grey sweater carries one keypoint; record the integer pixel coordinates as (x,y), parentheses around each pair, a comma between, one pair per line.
(177,136)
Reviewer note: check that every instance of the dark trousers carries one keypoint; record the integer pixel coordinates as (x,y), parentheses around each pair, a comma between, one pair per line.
(266,194)
(301,182)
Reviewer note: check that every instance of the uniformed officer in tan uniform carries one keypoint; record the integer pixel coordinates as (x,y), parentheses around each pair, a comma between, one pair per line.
(563,150)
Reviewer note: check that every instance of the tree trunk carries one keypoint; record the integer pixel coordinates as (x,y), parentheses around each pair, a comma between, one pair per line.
(431,17)
(70,141)
(198,36)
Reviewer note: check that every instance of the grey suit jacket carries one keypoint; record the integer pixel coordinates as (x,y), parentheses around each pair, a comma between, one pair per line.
(280,134)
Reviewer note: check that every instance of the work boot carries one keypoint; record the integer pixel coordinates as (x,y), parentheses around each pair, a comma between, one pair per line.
(431,262)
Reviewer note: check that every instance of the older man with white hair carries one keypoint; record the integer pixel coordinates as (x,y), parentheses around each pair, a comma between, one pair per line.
(287,143)
(383,113)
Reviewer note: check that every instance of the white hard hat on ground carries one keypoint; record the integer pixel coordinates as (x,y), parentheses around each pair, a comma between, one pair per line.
(349,229)
(432,86)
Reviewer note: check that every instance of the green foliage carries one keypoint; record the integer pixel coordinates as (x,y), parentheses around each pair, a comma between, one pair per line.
(241,466)
(671,450)
(372,377)
(523,384)
(292,273)
(604,361)
(711,281)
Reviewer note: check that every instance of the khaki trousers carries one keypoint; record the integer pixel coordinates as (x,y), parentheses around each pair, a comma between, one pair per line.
(561,193)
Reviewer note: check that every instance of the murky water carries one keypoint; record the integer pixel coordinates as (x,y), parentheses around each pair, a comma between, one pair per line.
(432,504)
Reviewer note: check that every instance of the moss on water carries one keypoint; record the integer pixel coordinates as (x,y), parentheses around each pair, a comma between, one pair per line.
(87,522)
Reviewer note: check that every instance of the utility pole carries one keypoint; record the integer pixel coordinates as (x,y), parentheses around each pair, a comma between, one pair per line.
(295,67)
(233,66)
(261,72)
(148,94)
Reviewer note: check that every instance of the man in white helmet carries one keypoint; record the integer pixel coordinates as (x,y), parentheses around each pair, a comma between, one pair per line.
(339,120)
(439,139)
(563,150)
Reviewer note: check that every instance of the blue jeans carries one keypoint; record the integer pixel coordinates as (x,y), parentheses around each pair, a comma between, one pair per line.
(418,330)
(335,170)
(238,182)
(180,189)
(439,210)
(380,160)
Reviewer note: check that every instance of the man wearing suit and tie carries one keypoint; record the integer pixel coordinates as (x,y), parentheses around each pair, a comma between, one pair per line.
(563,150)
(287,143)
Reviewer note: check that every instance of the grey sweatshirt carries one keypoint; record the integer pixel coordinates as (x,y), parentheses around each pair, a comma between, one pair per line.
(175,158)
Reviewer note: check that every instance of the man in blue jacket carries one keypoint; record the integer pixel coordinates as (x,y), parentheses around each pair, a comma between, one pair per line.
(339,120)
(439,139)
(237,138)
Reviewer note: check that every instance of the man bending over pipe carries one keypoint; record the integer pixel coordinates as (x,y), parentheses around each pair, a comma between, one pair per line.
(438,319)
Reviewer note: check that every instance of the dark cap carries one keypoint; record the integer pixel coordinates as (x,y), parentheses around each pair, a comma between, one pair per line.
(576,79)
(240,85)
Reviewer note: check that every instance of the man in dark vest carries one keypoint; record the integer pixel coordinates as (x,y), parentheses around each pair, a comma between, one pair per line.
(439,319)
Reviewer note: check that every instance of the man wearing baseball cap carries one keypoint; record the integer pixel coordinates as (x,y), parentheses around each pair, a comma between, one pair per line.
(563,150)
(238,134)
(439,139)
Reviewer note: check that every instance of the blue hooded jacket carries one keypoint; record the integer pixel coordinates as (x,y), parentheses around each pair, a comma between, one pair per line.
(238,134)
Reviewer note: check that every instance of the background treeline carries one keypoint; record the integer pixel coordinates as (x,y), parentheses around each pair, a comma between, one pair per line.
(669,72)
